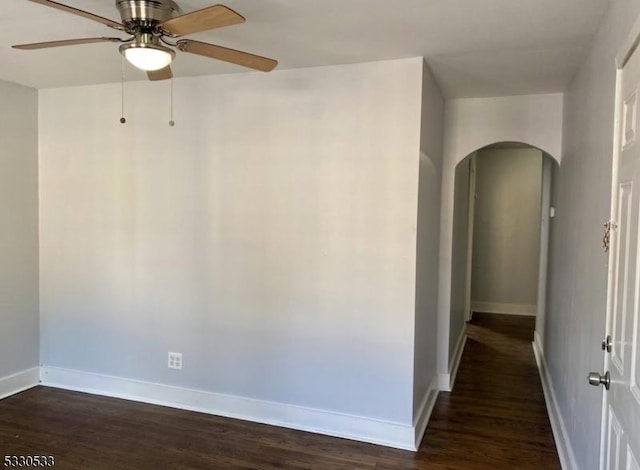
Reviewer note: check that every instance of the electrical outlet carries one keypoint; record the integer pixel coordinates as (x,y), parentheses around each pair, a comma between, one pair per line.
(175,360)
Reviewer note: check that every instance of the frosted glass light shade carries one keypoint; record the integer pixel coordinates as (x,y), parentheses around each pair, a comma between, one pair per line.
(148,57)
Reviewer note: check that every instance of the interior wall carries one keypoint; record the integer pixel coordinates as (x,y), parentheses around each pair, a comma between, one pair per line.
(19,343)
(270,236)
(578,265)
(548,166)
(473,123)
(470,223)
(506,234)
(460,254)
(428,233)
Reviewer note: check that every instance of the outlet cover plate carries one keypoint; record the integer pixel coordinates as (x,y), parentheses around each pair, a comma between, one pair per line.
(175,360)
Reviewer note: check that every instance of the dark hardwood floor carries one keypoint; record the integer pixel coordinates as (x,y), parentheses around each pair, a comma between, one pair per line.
(496,416)
(494,419)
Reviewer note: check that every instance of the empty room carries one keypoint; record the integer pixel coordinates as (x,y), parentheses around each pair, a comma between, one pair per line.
(320,235)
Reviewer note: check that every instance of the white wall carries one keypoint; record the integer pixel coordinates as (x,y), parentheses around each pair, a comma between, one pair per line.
(506,234)
(460,254)
(19,233)
(471,124)
(548,165)
(575,322)
(428,232)
(270,236)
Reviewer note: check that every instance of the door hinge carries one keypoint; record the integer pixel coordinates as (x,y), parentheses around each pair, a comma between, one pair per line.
(606,239)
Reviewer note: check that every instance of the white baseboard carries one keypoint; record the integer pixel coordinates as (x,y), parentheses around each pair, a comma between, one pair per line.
(397,435)
(421,419)
(447,381)
(457,357)
(505,309)
(16,383)
(444,382)
(563,445)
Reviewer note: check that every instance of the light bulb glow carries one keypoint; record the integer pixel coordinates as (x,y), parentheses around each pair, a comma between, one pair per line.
(148,58)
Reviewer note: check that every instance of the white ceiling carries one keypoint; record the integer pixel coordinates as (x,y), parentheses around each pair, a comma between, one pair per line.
(475,47)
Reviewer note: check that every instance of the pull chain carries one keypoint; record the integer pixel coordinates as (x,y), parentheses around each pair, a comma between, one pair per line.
(171,122)
(122,119)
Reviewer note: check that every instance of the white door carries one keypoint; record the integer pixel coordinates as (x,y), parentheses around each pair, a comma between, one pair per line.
(622,401)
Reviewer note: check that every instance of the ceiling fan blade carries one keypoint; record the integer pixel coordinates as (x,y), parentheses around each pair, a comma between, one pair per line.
(228,55)
(67,42)
(212,17)
(162,74)
(82,13)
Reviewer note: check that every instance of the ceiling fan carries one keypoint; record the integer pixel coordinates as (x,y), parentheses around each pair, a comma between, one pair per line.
(151,25)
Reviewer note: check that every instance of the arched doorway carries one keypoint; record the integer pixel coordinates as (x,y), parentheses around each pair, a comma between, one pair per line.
(500,238)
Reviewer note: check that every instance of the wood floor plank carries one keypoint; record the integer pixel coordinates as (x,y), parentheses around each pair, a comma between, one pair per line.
(494,419)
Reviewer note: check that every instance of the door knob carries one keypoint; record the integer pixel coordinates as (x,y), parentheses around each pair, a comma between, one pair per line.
(596,379)
(607,345)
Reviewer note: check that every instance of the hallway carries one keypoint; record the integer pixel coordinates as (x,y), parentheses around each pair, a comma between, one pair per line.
(495,419)
(496,416)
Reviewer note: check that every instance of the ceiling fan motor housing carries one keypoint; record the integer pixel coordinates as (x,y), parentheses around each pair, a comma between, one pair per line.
(139,13)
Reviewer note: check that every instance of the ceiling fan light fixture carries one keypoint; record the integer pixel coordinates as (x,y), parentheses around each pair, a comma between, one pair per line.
(147,57)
